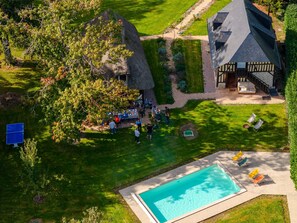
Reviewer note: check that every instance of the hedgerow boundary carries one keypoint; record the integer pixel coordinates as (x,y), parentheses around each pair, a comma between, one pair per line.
(291,83)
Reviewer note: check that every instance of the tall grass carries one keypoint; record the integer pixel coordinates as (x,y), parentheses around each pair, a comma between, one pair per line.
(194,72)
(156,56)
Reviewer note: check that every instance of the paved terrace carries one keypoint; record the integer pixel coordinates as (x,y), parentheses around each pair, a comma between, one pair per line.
(275,167)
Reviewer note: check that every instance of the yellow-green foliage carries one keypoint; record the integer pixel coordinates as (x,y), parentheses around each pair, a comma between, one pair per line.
(291,87)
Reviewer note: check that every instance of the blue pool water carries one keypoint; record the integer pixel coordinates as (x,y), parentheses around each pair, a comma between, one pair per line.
(189,193)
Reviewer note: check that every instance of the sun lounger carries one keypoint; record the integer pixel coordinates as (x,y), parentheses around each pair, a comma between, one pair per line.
(258,179)
(237,157)
(242,162)
(252,118)
(258,125)
(254,173)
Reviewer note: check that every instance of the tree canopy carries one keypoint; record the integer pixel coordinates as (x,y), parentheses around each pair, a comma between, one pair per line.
(9,28)
(72,52)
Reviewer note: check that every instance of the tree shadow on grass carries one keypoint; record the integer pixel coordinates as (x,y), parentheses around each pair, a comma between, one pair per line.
(21,80)
(222,126)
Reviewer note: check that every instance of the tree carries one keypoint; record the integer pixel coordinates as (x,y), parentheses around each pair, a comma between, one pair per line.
(91,215)
(277,7)
(8,24)
(32,180)
(5,25)
(73,53)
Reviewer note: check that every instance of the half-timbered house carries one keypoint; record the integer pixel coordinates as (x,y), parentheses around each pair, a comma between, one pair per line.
(243,47)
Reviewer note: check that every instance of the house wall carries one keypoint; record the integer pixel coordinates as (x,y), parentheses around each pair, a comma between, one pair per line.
(261,70)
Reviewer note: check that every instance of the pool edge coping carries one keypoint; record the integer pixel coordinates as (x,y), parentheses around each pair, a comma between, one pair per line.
(127,193)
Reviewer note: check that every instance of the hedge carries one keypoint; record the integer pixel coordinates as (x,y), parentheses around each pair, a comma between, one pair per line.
(291,83)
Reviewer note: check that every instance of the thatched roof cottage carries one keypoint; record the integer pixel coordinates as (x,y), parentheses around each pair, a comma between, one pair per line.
(135,70)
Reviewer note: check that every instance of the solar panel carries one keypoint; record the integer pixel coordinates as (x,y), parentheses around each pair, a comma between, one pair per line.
(14,134)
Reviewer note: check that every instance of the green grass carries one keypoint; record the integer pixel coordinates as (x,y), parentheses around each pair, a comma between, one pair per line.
(150,16)
(199,27)
(221,126)
(17,53)
(193,60)
(162,85)
(102,163)
(18,79)
(269,209)
(95,169)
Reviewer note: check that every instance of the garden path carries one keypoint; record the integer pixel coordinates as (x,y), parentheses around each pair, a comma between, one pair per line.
(222,96)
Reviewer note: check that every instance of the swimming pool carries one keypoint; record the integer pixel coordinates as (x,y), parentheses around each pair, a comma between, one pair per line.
(189,193)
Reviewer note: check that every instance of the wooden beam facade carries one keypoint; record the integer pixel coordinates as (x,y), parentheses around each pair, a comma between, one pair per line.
(260,67)
(251,67)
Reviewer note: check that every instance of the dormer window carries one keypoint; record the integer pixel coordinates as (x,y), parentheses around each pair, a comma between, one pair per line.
(220,18)
(222,38)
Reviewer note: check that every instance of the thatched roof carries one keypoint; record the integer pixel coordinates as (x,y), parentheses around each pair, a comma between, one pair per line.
(241,33)
(136,66)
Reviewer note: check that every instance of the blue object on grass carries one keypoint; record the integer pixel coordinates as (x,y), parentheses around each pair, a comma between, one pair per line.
(14,134)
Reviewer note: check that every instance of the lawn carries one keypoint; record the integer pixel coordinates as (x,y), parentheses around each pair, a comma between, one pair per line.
(91,172)
(95,169)
(16,79)
(17,53)
(21,79)
(272,209)
(199,27)
(193,59)
(150,16)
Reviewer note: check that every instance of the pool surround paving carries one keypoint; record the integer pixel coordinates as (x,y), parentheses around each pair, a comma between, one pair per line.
(274,165)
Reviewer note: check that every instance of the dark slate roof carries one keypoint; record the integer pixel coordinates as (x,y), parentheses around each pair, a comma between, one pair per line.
(136,66)
(241,33)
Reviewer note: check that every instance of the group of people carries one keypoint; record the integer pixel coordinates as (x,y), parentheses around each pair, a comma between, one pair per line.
(149,131)
(156,118)
(113,124)
(156,115)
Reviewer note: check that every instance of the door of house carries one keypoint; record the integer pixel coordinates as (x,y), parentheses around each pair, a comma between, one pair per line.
(231,80)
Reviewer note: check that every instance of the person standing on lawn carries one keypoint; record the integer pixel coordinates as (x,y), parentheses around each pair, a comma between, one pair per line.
(137,135)
(149,131)
(142,111)
(138,123)
(117,120)
(167,115)
(112,127)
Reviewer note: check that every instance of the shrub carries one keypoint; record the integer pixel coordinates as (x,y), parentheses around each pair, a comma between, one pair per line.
(181,75)
(162,51)
(182,85)
(178,57)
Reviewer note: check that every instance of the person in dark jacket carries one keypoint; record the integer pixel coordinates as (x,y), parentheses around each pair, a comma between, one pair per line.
(149,131)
